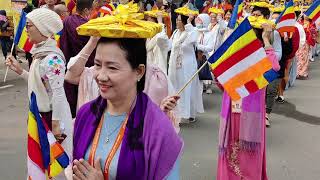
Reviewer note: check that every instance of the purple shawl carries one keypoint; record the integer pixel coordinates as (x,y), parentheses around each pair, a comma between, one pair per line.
(150,146)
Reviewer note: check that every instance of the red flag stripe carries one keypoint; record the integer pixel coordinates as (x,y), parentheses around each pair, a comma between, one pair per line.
(288,16)
(237,57)
(34,153)
(251,86)
(314,19)
(27,46)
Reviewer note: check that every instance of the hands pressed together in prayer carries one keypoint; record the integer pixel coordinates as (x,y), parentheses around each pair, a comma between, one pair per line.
(82,170)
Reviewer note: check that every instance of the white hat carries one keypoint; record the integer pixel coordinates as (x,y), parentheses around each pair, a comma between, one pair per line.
(47,21)
(205,18)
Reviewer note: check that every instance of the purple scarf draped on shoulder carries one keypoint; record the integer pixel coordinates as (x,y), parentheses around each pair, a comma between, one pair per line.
(150,146)
(251,121)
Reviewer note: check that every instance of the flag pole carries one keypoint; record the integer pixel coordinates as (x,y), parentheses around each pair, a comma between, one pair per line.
(12,48)
(6,74)
(193,76)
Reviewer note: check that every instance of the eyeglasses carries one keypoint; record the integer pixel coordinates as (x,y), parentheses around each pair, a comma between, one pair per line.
(28,26)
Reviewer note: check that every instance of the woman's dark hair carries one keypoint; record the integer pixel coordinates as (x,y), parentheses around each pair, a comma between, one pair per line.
(259,34)
(184,20)
(227,12)
(81,5)
(136,53)
(297,13)
(264,11)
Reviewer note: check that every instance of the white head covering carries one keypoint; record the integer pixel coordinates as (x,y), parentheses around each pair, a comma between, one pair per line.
(47,21)
(205,18)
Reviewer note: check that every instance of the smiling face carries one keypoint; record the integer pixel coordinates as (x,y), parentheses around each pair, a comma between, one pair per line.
(227,16)
(113,73)
(214,18)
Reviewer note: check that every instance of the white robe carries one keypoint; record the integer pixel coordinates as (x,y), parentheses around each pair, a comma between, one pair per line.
(157,50)
(183,49)
(217,33)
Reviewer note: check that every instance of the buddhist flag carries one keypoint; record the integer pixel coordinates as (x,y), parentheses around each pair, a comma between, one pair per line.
(21,38)
(46,157)
(287,20)
(314,11)
(240,64)
(236,13)
(71,5)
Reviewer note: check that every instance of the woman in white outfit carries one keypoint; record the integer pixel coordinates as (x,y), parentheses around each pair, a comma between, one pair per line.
(205,43)
(182,65)
(158,47)
(46,77)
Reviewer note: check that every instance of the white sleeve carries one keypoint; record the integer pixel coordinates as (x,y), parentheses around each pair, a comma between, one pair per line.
(55,72)
(208,47)
(192,36)
(24,75)
(277,45)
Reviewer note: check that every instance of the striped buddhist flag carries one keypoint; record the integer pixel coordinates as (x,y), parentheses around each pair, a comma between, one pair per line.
(46,157)
(71,5)
(287,20)
(314,11)
(236,13)
(240,64)
(21,38)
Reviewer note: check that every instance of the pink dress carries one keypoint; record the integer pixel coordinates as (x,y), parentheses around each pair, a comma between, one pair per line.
(242,145)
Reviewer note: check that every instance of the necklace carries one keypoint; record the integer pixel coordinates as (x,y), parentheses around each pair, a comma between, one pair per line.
(113,131)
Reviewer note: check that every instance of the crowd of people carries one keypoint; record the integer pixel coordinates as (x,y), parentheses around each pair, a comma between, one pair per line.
(97,92)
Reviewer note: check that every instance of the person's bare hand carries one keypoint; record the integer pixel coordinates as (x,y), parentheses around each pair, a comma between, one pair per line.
(14,65)
(169,103)
(82,170)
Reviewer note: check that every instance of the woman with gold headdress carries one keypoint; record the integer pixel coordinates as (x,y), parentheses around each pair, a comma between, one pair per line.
(217,26)
(183,64)
(158,46)
(122,134)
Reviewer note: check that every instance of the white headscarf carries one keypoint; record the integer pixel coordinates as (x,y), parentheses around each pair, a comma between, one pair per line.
(205,19)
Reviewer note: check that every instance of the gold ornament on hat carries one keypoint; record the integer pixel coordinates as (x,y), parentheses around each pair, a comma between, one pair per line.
(186,10)
(263,4)
(216,10)
(121,25)
(277,9)
(257,22)
(155,12)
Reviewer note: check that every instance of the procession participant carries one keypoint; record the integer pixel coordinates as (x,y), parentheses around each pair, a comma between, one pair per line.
(158,46)
(71,44)
(261,9)
(183,64)
(49,4)
(304,52)
(289,47)
(217,26)
(205,45)
(6,32)
(157,84)
(227,17)
(61,10)
(46,75)
(122,134)
(242,146)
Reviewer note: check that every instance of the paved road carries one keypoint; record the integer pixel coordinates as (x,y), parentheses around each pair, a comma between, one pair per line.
(293,145)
